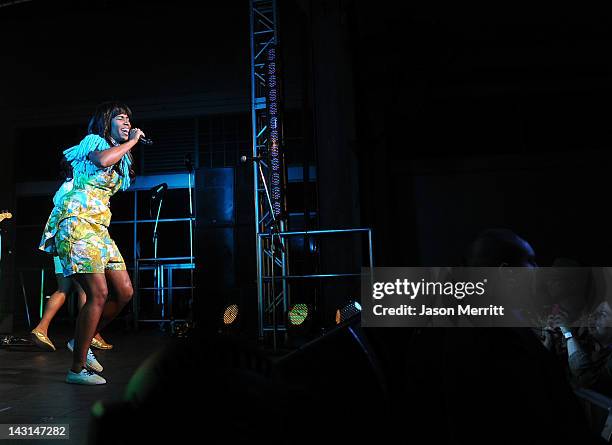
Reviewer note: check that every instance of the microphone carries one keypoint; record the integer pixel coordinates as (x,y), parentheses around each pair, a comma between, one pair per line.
(158,190)
(144,140)
(244,159)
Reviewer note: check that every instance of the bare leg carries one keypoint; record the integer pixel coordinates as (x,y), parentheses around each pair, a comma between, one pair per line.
(54,304)
(89,316)
(81,295)
(122,293)
(81,299)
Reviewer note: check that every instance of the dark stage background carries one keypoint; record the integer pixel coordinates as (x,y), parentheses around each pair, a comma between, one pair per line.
(425,124)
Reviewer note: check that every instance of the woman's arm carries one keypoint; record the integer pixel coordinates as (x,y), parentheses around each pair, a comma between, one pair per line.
(112,155)
(573,347)
(584,369)
(587,371)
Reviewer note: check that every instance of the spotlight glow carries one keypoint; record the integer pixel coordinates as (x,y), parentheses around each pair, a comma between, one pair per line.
(230,314)
(298,314)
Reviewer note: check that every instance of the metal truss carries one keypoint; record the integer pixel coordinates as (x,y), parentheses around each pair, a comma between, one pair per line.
(269,171)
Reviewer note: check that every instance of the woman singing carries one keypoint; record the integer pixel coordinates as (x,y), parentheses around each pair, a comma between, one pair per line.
(65,285)
(77,229)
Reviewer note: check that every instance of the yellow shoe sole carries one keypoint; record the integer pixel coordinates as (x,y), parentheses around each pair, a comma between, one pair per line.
(42,341)
(97,344)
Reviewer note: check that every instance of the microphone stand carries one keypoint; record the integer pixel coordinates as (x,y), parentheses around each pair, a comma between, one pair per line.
(189,166)
(157,278)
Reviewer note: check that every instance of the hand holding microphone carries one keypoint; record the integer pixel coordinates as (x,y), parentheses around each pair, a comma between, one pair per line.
(137,133)
(144,140)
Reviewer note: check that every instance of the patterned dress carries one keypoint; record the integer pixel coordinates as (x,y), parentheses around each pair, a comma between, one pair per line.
(77,228)
(57,200)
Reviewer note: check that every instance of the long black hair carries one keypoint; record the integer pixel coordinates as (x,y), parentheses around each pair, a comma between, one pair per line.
(100,123)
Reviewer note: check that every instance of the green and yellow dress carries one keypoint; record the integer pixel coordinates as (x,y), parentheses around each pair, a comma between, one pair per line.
(77,228)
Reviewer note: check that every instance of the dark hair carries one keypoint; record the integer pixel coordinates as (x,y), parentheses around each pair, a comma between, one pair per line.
(493,247)
(579,281)
(100,122)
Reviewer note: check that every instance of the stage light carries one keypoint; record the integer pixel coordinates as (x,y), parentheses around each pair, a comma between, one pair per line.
(347,311)
(299,320)
(298,313)
(230,314)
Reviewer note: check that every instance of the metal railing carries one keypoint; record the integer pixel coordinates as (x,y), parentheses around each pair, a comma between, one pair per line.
(267,305)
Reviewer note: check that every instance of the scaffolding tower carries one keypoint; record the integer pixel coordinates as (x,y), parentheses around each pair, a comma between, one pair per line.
(269,170)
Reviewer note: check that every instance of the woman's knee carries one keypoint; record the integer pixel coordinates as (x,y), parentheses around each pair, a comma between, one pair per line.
(126,293)
(98,296)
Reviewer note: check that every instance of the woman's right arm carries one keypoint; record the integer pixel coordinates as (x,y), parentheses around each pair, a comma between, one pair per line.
(112,155)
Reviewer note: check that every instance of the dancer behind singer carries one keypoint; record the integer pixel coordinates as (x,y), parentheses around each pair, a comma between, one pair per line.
(78,233)
(64,284)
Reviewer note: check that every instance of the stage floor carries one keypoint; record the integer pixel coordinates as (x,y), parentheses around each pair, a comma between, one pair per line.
(32,387)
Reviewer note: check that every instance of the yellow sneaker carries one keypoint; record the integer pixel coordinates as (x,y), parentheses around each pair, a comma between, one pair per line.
(100,344)
(41,340)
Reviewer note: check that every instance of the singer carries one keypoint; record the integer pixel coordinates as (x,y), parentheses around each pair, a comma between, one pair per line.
(65,285)
(77,230)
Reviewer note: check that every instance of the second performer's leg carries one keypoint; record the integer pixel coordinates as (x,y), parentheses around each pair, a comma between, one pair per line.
(56,301)
(54,304)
